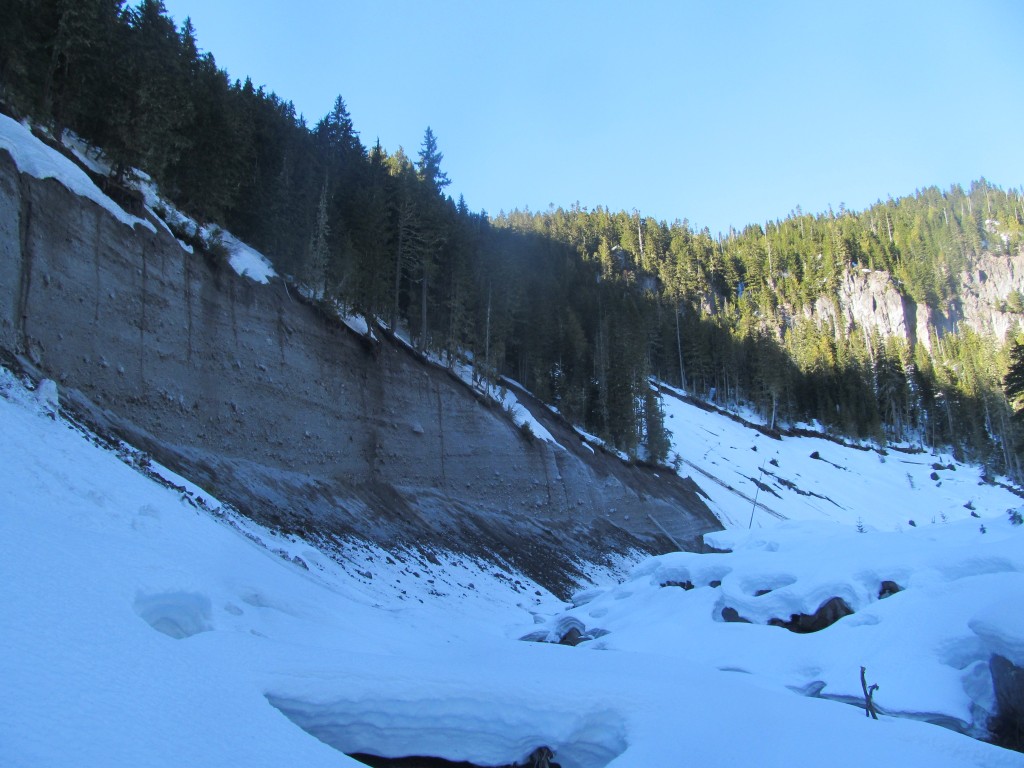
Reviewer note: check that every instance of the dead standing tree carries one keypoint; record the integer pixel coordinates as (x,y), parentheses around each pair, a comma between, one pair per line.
(869,695)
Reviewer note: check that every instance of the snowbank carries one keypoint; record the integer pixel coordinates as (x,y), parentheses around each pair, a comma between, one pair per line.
(140,629)
(39,161)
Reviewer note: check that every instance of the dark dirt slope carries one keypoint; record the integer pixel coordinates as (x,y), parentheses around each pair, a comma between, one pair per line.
(271,405)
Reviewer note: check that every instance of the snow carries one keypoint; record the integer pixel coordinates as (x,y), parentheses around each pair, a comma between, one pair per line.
(522,417)
(1001,631)
(244,259)
(140,629)
(146,623)
(357,323)
(39,161)
(925,645)
(89,156)
(844,484)
(36,159)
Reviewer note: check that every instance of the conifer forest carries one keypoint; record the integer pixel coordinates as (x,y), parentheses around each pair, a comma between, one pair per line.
(584,307)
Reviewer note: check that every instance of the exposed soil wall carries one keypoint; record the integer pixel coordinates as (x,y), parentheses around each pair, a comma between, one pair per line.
(269,404)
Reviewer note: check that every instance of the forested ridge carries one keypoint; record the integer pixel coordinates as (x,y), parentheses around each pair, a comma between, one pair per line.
(582,306)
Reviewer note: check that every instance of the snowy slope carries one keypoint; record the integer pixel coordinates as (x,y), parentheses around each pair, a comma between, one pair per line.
(140,630)
(883,490)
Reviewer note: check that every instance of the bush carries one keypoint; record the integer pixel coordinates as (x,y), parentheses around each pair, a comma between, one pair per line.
(215,251)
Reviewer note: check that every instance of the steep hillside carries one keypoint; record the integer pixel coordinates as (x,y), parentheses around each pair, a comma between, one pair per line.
(291,416)
(891,323)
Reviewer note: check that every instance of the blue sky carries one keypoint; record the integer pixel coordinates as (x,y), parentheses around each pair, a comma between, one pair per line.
(722,113)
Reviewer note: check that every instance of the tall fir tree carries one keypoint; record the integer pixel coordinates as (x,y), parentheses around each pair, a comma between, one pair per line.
(429,165)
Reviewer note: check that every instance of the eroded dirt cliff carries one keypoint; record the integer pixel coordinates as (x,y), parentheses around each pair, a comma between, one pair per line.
(271,405)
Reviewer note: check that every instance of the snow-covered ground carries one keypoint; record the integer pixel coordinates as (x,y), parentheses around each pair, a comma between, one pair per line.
(145,624)
(818,479)
(139,629)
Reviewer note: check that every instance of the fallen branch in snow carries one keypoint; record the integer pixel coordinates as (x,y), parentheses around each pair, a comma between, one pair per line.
(869,694)
(667,534)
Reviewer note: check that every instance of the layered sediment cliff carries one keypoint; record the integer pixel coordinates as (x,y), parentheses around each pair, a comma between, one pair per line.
(273,406)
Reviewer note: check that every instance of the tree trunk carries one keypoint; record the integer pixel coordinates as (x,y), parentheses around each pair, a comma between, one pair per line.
(679,350)
(487,332)
(398,270)
(423,306)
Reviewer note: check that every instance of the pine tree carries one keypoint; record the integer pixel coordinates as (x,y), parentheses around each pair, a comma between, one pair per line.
(429,165)
(318,252)
(208,177)
(78,50)
(1013,382)
(656,437)
(159,107)
(373,241)
(337,133)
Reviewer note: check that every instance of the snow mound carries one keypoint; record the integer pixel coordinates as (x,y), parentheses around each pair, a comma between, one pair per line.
(148,625)
(485,729)
(924,611)
(1000,624)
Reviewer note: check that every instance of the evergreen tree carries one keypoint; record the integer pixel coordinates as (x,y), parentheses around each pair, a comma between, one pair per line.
(77,51)
(1013,382)
(336,133)
(582,306)
(429,165)
(150,132)
(373,234)
(319,253)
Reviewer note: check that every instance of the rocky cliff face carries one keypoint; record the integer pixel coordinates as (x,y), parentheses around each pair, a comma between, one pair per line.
(271,405)
(870,299)
(983,294)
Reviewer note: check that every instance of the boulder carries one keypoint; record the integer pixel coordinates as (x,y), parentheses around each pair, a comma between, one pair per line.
(1007,725)
(888,589)
(731,615)
(572,637)
(687,585)
(828,613)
